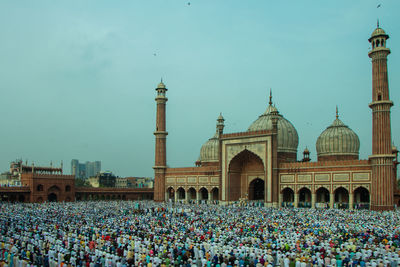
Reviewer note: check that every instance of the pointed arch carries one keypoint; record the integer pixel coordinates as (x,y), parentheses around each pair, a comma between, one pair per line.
(256,189)
(170,193)
(203,193)
(245,153)
(54,188)
(215,193)
(181,194)
(240,166)
(304,197)
(361,198)
(288,194)
(341,198)
(191,193)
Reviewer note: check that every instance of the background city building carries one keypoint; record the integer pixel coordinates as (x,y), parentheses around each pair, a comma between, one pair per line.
(9,179)
(85,170)
(103,179)
(134,182)
(31,183)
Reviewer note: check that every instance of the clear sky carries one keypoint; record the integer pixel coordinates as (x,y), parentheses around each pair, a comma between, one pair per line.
(77,78)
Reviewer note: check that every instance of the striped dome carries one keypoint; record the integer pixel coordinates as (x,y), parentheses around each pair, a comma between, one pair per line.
(288,139)
(209,151)
(338,140)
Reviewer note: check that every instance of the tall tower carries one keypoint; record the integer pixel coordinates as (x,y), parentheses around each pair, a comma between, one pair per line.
(160,163)
(382,157)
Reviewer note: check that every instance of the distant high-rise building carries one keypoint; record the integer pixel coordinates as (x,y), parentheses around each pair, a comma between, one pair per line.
(93,168)
(75,167)
(85,170)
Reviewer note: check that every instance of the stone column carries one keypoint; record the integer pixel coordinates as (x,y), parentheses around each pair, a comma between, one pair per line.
(331,200)
(280,200)
(186,196)
(296,200)
(313,199)
(209,197)
(175,196)
(351,200)
(198,196)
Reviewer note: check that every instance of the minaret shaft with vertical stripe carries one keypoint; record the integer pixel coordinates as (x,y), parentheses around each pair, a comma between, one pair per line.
(382,157)
(160,162)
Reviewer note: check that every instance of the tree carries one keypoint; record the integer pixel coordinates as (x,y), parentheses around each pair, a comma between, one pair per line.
(82,183)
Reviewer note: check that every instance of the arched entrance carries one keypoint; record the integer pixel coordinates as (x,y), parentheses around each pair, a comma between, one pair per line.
(361,198)
(256,189)
(322,198)
(170,193)
(304,198)
(240,167)
(214,194)
(341,198)
(52,193)
(181,193)
(203,193)
(192,193)
(52,197)
(287,197)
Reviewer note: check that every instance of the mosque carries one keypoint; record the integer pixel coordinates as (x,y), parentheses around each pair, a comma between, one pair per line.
(261,163)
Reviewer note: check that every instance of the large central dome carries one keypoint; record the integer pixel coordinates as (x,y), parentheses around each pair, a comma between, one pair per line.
(288,138)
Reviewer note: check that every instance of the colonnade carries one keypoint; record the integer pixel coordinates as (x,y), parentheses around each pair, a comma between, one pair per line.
(322,198)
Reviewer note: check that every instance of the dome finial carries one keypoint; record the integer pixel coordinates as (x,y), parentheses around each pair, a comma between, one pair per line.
(377,23)
(270,96)
(337,113)
(220,118)
(161,85)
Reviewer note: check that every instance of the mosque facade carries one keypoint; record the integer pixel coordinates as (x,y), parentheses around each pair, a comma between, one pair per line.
(260,165)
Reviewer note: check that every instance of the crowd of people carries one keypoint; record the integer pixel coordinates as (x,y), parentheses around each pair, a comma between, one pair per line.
(127,233)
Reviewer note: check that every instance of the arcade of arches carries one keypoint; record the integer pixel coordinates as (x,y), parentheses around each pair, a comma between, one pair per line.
(191,194)
(323,198)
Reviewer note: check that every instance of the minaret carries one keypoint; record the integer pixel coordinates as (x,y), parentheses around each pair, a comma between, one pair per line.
(160,163)
(220,124)
(306,155)
(382,157)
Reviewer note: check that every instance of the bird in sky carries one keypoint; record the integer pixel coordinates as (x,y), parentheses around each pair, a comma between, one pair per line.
(188,3)
(378,6)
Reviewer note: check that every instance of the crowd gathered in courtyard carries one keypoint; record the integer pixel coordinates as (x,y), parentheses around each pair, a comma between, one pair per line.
(127,233)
